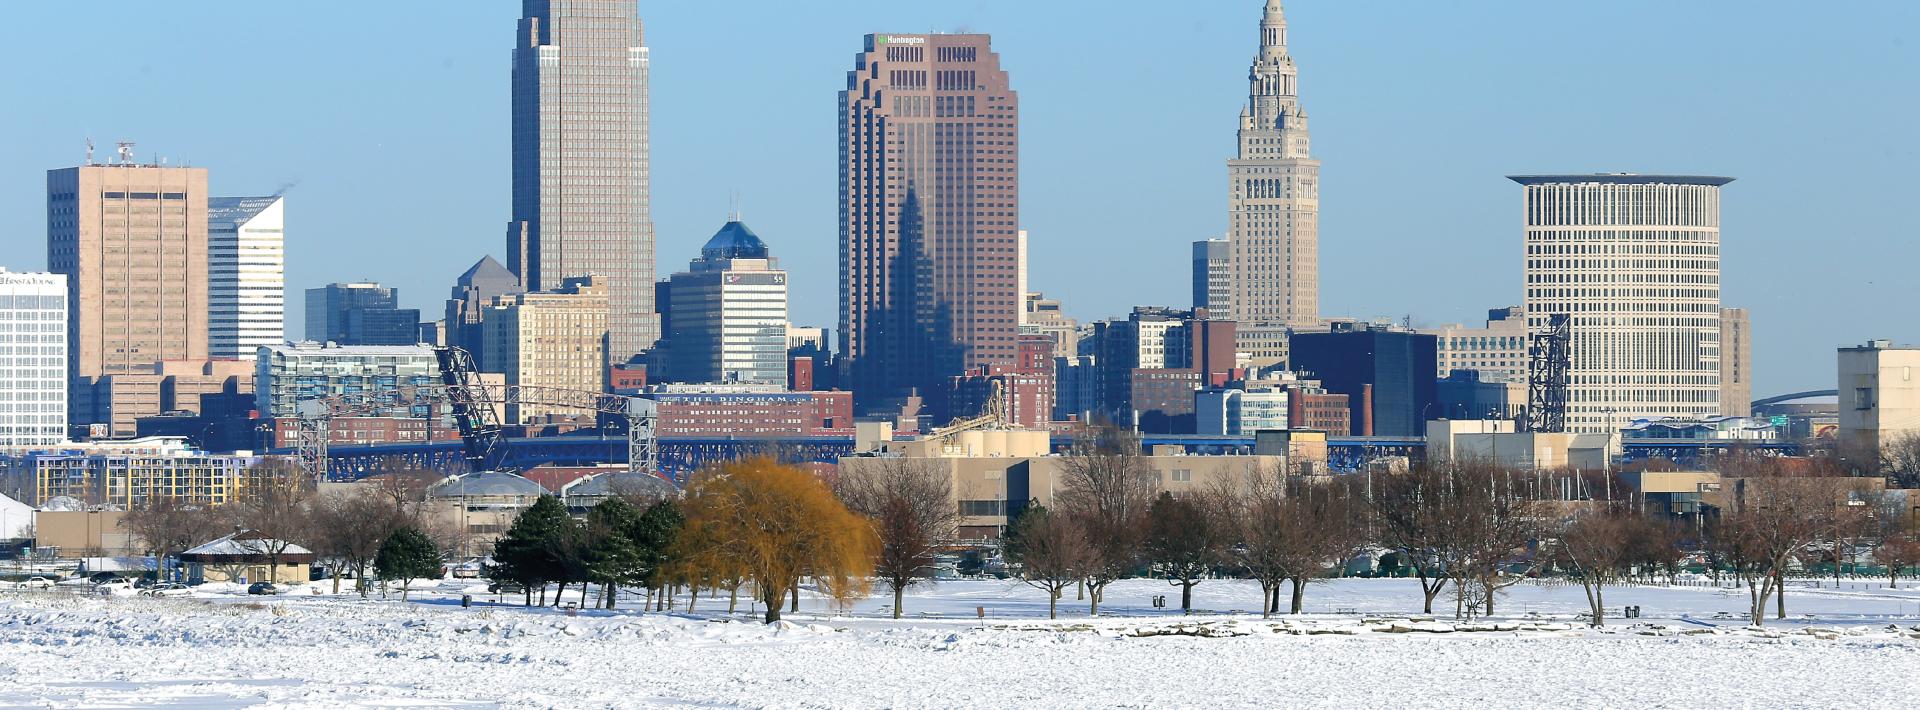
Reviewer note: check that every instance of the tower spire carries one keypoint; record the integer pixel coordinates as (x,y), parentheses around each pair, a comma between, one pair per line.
(1273,30)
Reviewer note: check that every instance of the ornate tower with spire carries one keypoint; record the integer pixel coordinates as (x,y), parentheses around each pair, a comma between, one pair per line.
(1274,225)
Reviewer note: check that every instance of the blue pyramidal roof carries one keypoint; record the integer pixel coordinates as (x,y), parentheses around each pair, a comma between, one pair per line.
(734,241)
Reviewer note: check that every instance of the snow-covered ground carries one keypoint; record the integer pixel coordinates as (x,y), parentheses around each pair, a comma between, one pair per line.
(1855,646)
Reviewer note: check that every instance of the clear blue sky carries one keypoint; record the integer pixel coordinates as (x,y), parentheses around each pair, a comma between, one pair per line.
(389,120)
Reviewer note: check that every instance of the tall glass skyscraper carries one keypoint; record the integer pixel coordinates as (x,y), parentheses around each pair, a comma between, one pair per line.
(929,216)
(1634,260)
(246,275)
(580,181)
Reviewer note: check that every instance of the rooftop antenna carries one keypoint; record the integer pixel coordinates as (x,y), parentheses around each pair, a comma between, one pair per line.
(125,152)
(89,150)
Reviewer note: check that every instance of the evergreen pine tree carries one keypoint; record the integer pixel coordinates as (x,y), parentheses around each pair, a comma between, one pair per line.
(406,555)
(531,552)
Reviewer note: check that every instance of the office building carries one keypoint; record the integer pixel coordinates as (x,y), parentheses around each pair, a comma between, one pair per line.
(114,404)
(472,292)
(712,411)
(246,272)
(581,187)
(554,338)
(1149,364)
(360,314)
(1634,261)
(1213,274)
(1387,375)
(1020,279)
(132,241)
(1045,318)
(33,359)
(1274,220)
(729,317)
(929,216)
(286,374)
(1495,353)
(1237,412)
(1879,395)
(1736,363)
(1464,394)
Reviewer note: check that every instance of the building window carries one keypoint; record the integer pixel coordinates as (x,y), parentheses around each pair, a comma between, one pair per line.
(1863,398)
(1182,475)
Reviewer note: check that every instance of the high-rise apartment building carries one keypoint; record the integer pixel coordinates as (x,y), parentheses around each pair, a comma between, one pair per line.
(360,314)
(555,338)
(246,272)
(1736,363)
(132,241)
(1274,221)
(729,319)
(1213,275)
(286,374)
(1634,260)
(33,359)
(929,215)
(581,197)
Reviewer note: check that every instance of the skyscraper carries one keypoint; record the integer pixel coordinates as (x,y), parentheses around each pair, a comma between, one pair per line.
(1736,363)
(929,215)
(1635,261)
(132,242)
(467,305)
(581,197)
(1274,225)
(360,314)
(1212,274)
(729,318)
(33,363)
(246,272)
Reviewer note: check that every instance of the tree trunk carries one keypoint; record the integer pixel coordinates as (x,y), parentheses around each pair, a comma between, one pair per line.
(583,595)
(1053,602)
(1489,598)
(897,598)
(405,586)
(796,596)
(558,594)
(773,596)
(1299,593)
(1273,598)
(1780,594)
(613,595)
(1080,590)
(1093,600)
(693,595)
(336,580)
(526,592)
(1893,576)
(1595,603)
(1431,591)
(1186,597)
(733,598)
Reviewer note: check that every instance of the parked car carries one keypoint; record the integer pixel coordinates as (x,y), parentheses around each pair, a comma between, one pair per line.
(112,584)
(263,588)
(506,588)
(167,589)
(35,583)
(103,577)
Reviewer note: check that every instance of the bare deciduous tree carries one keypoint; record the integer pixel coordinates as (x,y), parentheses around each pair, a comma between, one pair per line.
(348,528)
(1598,546)
(1184,541)
(1049,551)
(1773,521)
(168,526)
(274,503)
(1106,487)
(914,512)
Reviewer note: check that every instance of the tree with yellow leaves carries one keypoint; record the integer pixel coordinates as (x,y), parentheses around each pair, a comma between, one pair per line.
(778,523)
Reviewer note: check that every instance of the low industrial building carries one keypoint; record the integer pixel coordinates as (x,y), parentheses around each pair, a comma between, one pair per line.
(997,473)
